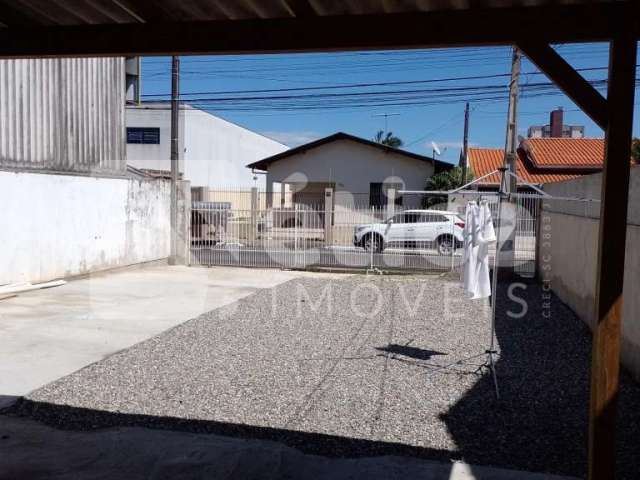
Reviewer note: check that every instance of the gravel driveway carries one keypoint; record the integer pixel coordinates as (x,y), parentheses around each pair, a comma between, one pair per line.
(354,367)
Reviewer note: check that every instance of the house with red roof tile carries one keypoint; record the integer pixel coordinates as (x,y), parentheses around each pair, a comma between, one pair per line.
(541,160)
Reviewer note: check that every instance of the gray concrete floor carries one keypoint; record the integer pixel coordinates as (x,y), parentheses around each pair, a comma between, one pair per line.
(47,334)
(32,451)
(50,334)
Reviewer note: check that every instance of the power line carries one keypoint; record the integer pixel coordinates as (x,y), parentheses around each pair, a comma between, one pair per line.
(363,85)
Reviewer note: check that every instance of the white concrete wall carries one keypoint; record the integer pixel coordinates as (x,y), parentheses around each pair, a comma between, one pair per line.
(154,157)
(352,166)
(217,152)
(568,255)
(214,152)
(55,226)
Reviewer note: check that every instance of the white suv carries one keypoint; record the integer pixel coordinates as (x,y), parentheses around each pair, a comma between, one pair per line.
(413,228)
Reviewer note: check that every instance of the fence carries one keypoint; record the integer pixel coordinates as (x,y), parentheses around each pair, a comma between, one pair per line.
(299,237)
(334,233)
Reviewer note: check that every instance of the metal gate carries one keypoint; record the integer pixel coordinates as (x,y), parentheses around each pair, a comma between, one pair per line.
(305,236)
(302,237)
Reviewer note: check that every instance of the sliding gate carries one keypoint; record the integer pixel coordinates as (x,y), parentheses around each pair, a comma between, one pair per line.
(301,237)
(304,236)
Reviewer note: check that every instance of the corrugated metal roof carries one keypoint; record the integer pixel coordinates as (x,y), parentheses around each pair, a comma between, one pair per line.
(24,13)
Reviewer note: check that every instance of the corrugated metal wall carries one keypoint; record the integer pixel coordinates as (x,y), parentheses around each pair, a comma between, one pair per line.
(63,115)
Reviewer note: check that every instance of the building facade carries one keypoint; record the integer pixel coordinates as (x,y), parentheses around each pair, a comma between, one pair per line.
(212,151)
(556,128)
(69,206)
(359,171)
(63,115)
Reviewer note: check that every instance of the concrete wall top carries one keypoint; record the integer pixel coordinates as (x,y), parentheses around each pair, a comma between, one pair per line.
(589,187)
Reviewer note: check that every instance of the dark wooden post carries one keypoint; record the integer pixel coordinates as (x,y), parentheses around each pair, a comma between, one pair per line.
(611,252)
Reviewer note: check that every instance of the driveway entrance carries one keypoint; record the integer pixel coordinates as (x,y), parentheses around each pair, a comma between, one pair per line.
(51,333)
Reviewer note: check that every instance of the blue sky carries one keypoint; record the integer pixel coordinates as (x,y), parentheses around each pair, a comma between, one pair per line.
(420,114)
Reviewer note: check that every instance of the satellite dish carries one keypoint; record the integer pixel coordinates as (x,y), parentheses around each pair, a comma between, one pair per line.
(435,147)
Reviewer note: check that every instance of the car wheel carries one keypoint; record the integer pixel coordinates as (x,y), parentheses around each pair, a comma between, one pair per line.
(445,245)
(373,243)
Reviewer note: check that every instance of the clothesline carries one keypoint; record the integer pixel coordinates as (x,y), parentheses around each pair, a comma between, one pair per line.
(496,194)
(527,195)
(540,194)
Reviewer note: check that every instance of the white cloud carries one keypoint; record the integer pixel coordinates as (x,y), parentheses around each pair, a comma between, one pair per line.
(293,139)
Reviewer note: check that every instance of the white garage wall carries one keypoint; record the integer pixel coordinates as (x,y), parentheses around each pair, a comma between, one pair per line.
(213,152)
(217,152)
(56,226)
(153,157)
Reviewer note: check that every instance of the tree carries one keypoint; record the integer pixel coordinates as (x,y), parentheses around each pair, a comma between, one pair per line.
(635,150)
(443,182)
(389,139)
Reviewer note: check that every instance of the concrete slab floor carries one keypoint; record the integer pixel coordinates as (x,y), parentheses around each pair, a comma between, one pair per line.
(47,334)
(32,451)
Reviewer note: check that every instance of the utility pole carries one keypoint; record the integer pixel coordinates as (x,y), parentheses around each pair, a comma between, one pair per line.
(508,208)
(511,143)
(465,145)
(175,155)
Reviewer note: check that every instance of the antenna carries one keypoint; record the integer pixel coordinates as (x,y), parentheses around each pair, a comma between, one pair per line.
(436,149)
(386,118)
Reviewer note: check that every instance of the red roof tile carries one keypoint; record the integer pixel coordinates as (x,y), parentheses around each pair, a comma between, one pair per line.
(543,160)
(565,152)
(485,160)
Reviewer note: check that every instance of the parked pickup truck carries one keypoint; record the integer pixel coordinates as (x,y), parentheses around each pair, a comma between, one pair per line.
(413,228)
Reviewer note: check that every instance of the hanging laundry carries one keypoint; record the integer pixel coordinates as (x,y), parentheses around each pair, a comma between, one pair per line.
(470,254)
(478,235)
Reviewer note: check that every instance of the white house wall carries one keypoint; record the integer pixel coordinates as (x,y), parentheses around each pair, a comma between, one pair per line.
(214,152)
(154,157)
(218,151)
(56,226)
(352,166)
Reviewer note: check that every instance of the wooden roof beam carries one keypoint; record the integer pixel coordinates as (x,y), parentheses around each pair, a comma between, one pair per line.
(605,357)
(474,26)
(570,82)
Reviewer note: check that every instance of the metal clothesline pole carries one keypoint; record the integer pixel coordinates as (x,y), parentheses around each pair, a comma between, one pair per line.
(494,291)
(501,195)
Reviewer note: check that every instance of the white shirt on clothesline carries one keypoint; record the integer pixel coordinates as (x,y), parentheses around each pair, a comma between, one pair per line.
(478,235)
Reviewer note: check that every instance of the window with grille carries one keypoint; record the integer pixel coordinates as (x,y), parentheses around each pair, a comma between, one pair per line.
(143,135)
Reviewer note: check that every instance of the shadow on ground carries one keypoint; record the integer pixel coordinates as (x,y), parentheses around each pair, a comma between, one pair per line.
(408,351)
(539,424)
(541,418)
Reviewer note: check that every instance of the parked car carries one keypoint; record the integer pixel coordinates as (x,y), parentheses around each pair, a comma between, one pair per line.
(413,228)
